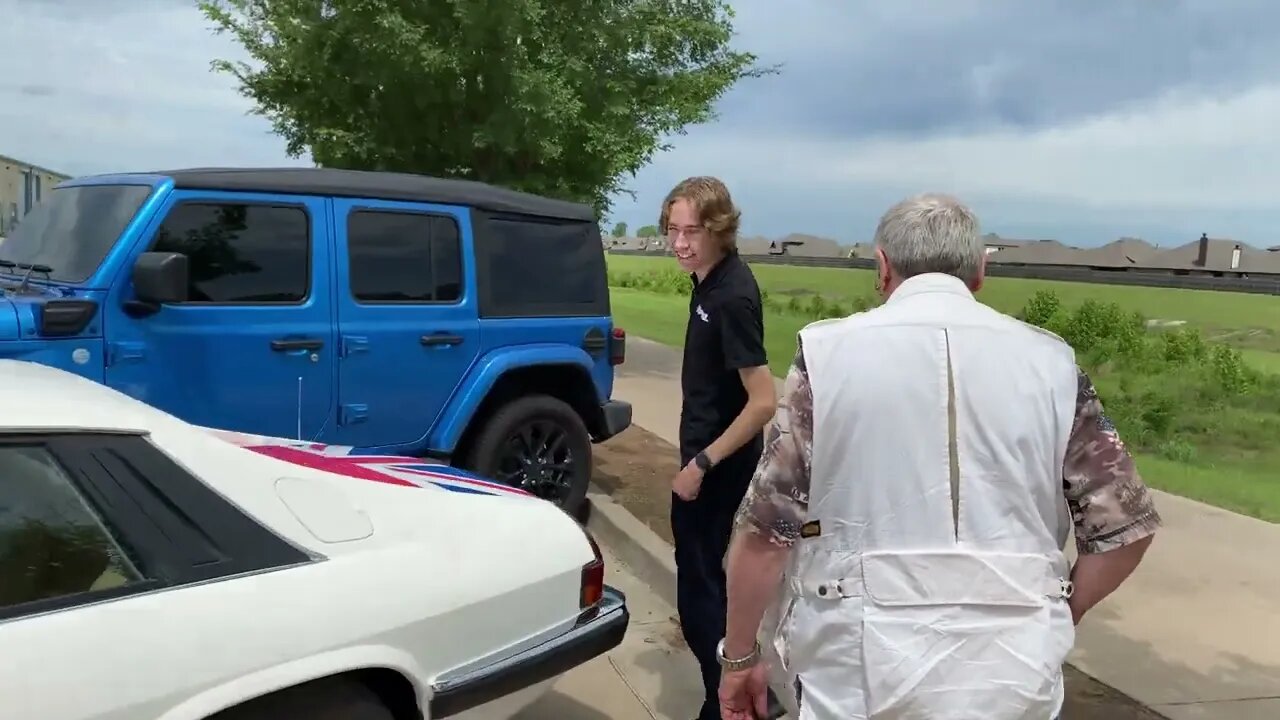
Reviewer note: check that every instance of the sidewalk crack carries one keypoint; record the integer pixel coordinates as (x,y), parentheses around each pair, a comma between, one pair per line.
(1222,700)
(625,681)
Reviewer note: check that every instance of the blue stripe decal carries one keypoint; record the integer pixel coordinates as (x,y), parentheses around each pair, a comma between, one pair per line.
(462,489)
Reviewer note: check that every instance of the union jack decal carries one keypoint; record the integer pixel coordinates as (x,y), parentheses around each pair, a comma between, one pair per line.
(356,463)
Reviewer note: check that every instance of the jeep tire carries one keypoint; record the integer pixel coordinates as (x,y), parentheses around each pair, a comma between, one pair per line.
(505,433)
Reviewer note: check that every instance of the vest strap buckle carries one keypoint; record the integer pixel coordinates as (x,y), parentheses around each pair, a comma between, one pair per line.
(841,589)
(1066,589)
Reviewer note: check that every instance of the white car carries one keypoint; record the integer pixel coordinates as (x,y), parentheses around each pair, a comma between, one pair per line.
(151,569)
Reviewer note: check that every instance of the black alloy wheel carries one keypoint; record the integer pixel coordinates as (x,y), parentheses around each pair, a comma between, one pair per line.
(540,445)
(537,458)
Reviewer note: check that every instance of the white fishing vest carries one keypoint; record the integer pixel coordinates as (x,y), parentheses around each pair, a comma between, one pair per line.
(932,582)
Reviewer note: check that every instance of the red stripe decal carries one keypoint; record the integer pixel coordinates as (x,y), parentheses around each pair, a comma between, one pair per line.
(465,480)
(338,465)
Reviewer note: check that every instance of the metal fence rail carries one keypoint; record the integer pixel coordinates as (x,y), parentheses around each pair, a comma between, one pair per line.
(1258,284)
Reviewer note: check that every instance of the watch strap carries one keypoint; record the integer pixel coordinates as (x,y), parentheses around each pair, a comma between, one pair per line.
(702,461)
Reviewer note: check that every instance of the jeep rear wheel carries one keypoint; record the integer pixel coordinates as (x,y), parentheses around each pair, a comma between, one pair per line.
(539,444)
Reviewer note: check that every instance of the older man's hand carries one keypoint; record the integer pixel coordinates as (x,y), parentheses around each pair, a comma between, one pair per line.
(744,694)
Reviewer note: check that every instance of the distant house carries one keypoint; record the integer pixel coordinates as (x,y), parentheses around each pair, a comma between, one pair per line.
(861,251)
(1206,256)
(1127,252)
(994,243)
(754,245)
(1037,252)
(22,186)
(626,243)
(801,245)
(1215,256)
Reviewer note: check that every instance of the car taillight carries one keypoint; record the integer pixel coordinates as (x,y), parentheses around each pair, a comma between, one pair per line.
(618,347)
(592,576)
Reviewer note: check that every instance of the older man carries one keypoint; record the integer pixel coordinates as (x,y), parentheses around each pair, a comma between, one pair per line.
(914,494)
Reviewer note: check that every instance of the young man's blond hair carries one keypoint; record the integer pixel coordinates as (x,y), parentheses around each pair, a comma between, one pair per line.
(714,206)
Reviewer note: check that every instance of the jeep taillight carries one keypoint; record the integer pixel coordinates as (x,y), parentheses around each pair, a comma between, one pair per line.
(592,576)
(618,347)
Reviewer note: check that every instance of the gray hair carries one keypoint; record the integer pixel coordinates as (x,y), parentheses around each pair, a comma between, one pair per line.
(931,233)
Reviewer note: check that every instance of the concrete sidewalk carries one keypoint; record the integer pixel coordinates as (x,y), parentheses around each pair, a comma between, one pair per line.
(650,676)
(1195,633)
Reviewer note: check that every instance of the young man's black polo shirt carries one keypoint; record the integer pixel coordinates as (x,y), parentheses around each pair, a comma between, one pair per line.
(725,334)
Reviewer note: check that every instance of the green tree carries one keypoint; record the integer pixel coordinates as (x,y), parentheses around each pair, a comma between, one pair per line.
(647,231)
(620,230)
(558,98)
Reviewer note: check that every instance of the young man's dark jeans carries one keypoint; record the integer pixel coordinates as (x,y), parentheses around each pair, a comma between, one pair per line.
(702,529)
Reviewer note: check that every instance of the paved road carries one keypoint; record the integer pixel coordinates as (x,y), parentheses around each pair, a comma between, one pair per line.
(1195,634)
(648,677)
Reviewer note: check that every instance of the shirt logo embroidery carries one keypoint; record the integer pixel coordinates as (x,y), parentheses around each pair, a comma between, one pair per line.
(702,314)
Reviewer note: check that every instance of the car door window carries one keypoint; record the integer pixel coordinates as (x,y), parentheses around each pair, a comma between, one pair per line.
(403,257)
(241,252)
(52,542)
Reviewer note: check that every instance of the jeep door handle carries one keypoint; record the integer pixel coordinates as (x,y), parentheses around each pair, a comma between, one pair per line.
(441,339)
(287,344)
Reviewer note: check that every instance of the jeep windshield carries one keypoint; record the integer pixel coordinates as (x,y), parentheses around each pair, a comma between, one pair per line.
(71,232)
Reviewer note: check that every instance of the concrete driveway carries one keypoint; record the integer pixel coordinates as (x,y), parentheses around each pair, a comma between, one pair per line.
(649,676)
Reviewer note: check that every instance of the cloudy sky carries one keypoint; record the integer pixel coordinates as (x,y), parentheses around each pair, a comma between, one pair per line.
(1078,120)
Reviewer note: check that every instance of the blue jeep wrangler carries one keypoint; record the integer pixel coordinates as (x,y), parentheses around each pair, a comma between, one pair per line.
(400,314)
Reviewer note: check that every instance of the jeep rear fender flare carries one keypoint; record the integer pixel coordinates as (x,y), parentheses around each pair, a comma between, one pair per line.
(485,373)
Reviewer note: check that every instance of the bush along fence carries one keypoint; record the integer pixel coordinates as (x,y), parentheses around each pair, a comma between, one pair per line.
(1168,391)
(668,281)
(1259,283)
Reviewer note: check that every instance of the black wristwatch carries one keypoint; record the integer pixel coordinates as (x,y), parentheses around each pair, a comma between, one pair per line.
(702,461)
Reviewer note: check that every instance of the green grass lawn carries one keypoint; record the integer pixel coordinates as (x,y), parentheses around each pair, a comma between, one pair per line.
(1248,485)
(1244,320)
(1262,359)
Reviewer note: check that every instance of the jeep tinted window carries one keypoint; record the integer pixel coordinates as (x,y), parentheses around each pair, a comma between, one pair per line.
(403,257)
(241,253)
(72,230)
(534,267)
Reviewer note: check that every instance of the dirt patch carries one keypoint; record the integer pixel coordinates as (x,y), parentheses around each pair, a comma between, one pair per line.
(635,469)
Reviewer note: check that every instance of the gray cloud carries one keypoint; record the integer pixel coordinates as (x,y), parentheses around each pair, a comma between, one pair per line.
(917,67)
(109,85)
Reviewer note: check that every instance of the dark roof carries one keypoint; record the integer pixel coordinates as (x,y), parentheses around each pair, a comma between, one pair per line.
(379,186)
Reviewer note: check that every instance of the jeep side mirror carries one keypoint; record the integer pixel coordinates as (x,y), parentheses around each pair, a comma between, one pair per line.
(161,277)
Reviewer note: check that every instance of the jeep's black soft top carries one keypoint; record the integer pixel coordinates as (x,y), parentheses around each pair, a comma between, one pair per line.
(379,186)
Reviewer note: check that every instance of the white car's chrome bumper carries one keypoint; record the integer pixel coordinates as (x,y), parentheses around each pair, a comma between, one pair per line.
(598,630)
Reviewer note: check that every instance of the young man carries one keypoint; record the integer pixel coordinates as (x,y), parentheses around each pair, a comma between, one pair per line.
(727,399)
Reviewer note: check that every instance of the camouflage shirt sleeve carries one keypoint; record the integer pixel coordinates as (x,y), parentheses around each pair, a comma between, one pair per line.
(1110,505)
(776,502)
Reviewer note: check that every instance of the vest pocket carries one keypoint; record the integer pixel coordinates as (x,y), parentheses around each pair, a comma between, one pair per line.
(825,638)
(950,636)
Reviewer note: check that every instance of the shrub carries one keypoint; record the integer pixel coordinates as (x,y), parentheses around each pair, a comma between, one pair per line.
(669,281)
(1166,390)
